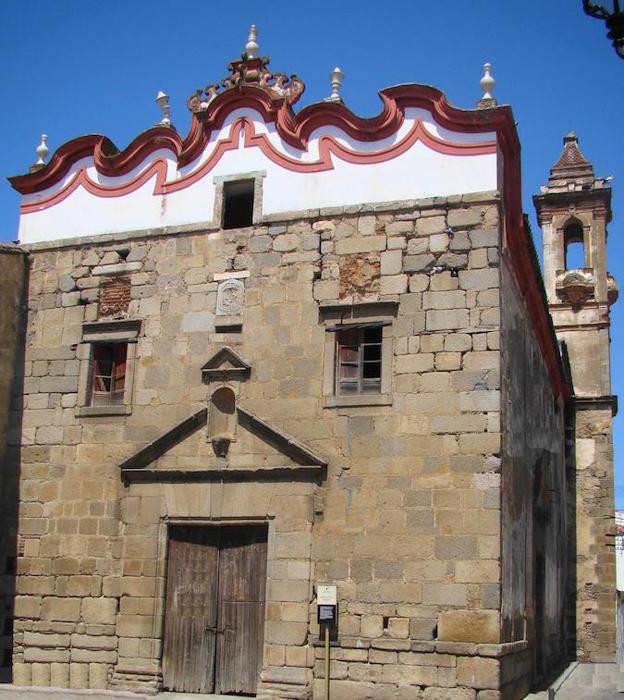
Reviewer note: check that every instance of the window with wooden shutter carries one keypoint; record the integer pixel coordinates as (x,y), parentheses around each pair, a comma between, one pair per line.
(108,374)
(359,348)
(358,360)
(108,359)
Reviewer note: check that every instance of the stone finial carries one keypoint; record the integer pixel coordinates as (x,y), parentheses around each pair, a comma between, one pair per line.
(336,77)
(163,102)
(487,84)
(251,47)
(42,151)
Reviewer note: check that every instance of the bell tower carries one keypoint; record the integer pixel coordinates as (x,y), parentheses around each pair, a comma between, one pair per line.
(574,209)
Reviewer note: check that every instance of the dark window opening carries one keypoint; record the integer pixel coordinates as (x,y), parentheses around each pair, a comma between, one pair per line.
(238,203)
(108,374)
(574,247)
(358,360)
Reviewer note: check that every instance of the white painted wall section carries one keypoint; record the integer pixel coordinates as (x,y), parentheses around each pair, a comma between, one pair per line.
(420,171)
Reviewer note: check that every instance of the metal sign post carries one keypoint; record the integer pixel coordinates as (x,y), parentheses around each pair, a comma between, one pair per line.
(326,662)
(327,612)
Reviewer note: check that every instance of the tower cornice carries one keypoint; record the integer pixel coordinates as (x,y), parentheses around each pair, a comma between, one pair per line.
(549,203)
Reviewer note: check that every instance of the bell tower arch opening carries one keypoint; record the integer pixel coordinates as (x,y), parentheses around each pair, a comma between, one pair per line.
(574,252)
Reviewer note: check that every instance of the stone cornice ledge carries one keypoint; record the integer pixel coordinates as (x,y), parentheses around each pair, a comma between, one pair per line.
(290,472)
(428,646)
(597,403)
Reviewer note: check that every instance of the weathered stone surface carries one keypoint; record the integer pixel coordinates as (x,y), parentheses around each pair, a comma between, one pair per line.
(99,610)
(66,283)
(417,263)
(60,609)
(391,262)
(464,218)
(349,246)
(286,242)
(478,673)
(430,225)
(479,626)
(395,284)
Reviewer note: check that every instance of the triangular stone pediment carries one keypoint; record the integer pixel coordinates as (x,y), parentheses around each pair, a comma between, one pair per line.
(226,364)
(259,451)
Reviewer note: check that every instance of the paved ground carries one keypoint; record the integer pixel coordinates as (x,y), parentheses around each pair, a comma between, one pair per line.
(585,682)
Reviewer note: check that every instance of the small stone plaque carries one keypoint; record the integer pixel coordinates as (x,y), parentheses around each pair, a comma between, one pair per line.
(230,297)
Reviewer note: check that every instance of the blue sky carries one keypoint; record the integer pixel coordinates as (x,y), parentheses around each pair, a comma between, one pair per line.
(73,67)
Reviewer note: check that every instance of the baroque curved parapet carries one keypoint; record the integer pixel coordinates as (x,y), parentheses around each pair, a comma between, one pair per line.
(294,129)
(418,146)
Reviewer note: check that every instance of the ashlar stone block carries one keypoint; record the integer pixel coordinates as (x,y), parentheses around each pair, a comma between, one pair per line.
(368,244)
(479,626)
(391,262)
(65,609)
(371,626)
(398,627)
(393,284)
(476,672)
(447,320)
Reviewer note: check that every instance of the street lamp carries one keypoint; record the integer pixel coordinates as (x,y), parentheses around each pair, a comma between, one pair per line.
(613,16)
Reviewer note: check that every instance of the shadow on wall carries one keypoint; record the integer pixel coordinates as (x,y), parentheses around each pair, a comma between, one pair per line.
(12,332)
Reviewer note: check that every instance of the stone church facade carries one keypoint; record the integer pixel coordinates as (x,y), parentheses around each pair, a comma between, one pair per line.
(291,349)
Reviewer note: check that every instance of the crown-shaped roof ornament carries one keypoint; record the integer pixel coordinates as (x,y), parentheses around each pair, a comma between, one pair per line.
(250,70)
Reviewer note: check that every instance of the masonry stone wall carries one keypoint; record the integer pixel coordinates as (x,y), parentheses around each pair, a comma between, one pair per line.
(595,561)
(535,526)
(12,275)
(588,346)
(407,519)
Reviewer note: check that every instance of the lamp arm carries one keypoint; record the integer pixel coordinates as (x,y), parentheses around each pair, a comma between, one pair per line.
(594,10)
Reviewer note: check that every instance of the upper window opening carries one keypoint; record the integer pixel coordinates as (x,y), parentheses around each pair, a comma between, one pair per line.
(574,247)
(358,360)
(238,204)
(108,374)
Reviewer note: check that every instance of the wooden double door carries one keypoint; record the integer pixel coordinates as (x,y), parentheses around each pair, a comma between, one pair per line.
(214,617)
